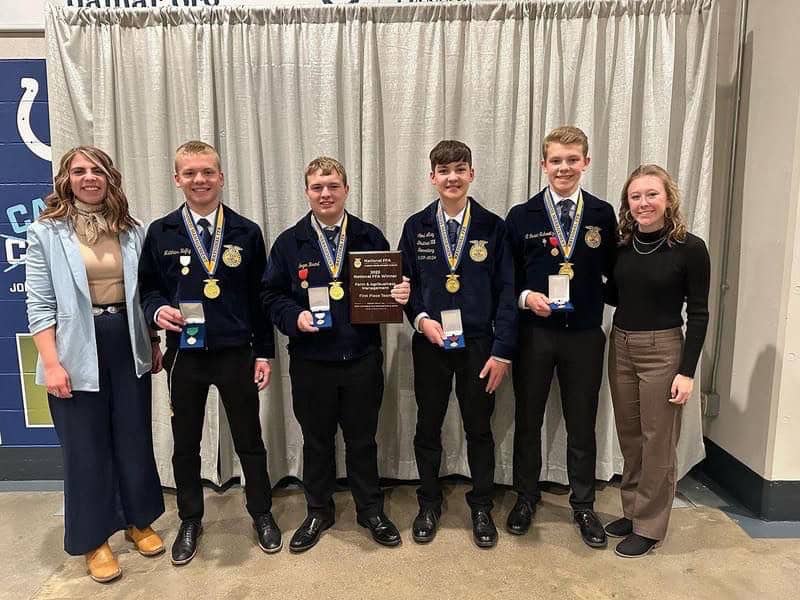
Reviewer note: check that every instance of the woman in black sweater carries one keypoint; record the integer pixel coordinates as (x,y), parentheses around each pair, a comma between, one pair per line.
(660,267)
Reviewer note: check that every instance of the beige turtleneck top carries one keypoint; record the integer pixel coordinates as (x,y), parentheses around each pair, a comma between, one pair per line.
(101,255)
(103,263)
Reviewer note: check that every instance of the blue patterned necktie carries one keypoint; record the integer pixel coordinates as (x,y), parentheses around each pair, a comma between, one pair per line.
(452,233)
(205,233)
(566,217)
(332,235)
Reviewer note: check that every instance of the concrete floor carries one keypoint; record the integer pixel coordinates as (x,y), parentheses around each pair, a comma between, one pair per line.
(706,556)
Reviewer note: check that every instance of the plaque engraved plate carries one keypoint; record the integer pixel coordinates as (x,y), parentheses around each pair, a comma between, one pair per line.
(372,276)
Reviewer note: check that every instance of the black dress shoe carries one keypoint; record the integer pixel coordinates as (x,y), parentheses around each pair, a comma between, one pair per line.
(382,529)
(635,546)
(307,535)
(185,545)
(268,533)
(519,519)
(483,530)
(619,528)
(423,530)
(592,530)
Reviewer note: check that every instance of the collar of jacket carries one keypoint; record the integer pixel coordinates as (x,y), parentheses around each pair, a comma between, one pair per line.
(478,214)
(589,202)
(305,232)
(233,220)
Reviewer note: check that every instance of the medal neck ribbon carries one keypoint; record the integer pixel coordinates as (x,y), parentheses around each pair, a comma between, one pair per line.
(566,239)
(454,256)
(209,263)
(334,263)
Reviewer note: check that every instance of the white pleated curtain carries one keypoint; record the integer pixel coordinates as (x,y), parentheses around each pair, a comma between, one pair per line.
(377,87)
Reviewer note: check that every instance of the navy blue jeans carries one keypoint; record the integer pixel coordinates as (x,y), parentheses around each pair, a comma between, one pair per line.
(110,477)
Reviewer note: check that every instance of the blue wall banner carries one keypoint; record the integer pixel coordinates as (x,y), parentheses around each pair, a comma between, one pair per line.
(25,179)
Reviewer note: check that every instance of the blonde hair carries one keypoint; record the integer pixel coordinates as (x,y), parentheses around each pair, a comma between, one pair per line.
(327,165)
(196,147)
(60,203)
(566,135)
(674,223)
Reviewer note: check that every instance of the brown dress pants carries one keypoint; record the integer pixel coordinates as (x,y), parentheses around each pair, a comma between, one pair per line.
(641,367)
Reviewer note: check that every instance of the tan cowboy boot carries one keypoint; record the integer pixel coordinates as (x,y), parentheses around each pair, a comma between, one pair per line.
(102,565)
(147,541)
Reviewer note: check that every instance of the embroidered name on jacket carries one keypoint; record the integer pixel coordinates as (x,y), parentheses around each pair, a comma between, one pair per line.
(308,264)
(540,234)
(426,246)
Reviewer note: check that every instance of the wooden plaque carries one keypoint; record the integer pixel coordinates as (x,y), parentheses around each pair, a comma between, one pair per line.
(372,277)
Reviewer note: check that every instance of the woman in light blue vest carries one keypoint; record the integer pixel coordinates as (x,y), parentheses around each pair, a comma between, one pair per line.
(95,357)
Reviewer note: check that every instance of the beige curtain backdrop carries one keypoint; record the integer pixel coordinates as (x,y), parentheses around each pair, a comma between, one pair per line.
(377,87)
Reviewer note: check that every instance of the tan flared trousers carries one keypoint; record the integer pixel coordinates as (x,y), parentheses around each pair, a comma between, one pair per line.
(641,368)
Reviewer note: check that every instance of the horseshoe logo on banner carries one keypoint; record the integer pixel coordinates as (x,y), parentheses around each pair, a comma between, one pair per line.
(34,144)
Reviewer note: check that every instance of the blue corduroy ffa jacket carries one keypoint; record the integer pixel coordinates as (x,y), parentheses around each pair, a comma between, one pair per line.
(235,317)
(486,296)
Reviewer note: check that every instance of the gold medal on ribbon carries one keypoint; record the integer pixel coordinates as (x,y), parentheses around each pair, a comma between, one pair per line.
(211,288)
(592,237)
(451,284)
(453,255)
(478,251)
(566,239)
(232,257)
(210,262)
(337,291)
(333,260)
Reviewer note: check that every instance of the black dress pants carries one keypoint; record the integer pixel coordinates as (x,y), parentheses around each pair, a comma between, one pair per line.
(434,369)
(577,358)
(347,393)
(190,374)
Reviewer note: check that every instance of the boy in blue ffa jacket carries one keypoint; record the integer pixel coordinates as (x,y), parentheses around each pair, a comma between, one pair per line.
(208,260)
(462,306)
(336,368)
(561,230)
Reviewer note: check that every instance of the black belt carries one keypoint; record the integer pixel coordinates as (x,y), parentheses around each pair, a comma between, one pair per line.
(111,309)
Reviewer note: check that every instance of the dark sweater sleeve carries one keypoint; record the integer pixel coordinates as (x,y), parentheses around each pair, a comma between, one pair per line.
(697,275)
(610,292)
